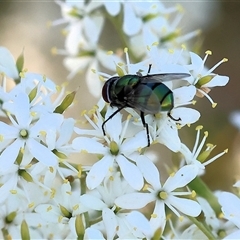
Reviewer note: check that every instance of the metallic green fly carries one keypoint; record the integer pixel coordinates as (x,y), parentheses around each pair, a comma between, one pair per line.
(146,94)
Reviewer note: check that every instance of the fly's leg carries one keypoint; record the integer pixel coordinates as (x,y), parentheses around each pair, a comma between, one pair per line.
(111,116)
(146,126)
(174,119)
(149,68)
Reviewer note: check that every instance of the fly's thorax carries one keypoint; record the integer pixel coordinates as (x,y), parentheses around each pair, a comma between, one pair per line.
(126,83)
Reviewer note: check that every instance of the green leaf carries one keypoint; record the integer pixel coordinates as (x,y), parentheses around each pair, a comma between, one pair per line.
(67,101)
(20,62)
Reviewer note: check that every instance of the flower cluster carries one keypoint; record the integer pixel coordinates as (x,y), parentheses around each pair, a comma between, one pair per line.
(123,195)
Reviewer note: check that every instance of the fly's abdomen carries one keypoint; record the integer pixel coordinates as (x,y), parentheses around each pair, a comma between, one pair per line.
(165,96)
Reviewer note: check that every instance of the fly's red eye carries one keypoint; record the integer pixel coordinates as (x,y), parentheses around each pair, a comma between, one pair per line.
(105,92)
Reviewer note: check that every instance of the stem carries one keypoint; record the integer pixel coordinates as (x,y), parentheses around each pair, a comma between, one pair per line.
(202,190)
(203,228)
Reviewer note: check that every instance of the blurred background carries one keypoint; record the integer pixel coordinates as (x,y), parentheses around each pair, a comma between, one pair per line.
(24,25)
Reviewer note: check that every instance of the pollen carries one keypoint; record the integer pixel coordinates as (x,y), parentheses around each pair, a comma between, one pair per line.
(163,195)
(214,105)
(30,205)
(33,114)
(206,133)
(155,43)
(76,207)
(226,150)
(1,138)
(193,195)
(208,52)
(111,178)
(181,218)
(109,52)
(125,49)
(43,133)
(83,112)
(83,151)
(225,59)
(60,219)
(200,127)
(13,191)
(183,47)
(154,215)
(101,78)
(51,169)
(49,208)
(171,51)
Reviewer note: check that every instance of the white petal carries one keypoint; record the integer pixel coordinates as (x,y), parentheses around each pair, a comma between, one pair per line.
(235,119)
(131,23)
(7,63)
(187,115)
(110,222)
(134,143)
(92,233)
(158,219)
(76,64)
(140,223)
(20,108)
(186,206)
(218,81)
(88,144)
(169,137)
(184,94)
(181,178)
(98,172)
(130,172)
(92,202)
(113,8)
(93,82)
(114,125)
(8,185)
(9,155)
(230,207)
(92,27)
(149,171)
(134,200)
(41,153)
(66,131)
(73,38)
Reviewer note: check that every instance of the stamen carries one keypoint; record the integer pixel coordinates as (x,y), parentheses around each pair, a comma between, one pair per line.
(208,97)
(215,157)
(216,65)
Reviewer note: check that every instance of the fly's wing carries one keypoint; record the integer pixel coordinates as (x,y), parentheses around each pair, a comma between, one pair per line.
(144,99)
(163,77)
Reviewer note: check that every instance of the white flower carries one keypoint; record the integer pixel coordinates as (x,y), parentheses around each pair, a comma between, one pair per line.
(204,79)
(24,134)
(235,119)
(163,194)
(198,157)
(230,207)
(115,221)
(118,151)
(7,64)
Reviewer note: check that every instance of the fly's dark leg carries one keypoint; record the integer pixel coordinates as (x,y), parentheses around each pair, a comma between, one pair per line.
(149,68)
(112,115)
(146,126)
(175,119)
